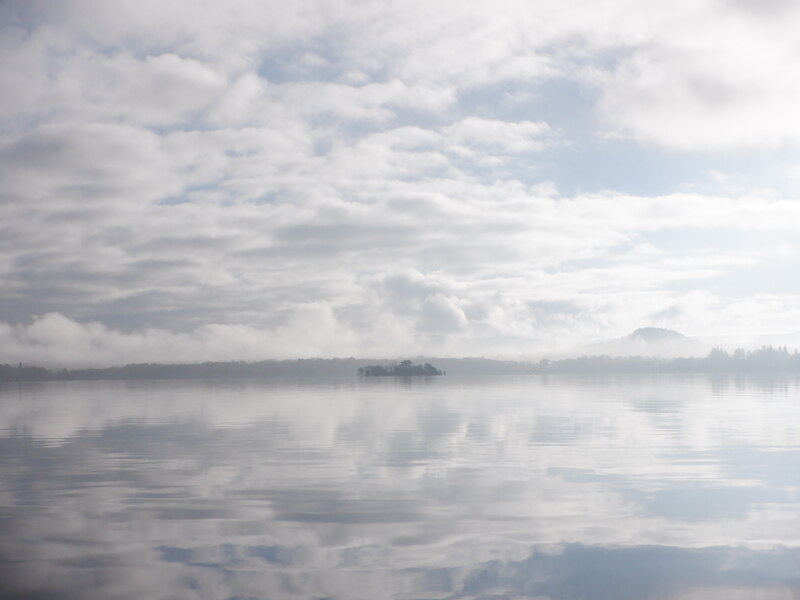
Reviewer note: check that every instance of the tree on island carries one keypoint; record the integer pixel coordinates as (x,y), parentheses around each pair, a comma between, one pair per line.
(405,368)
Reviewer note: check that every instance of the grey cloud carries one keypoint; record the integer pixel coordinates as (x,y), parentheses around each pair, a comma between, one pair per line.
(244,29)
(432,304)
(668,314)
(765,8)
(410,285)
(439,314)
(555,307)
(164,90)
(230,281)
(165,171)
(58,163)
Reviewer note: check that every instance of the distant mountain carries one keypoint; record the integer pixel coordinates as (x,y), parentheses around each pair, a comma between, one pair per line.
(657,335)
(650,341)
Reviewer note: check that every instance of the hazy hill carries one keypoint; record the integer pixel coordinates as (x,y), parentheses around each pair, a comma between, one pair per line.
(649,341)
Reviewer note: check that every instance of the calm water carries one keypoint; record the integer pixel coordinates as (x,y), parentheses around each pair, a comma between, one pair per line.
(568,488)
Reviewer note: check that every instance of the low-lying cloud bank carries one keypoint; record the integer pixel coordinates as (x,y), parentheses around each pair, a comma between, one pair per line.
(56,341)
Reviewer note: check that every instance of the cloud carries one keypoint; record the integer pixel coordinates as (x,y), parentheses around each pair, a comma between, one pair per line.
(226,167)
(691,88)
(58,341)
(472,136)
(462,258)
(60,164)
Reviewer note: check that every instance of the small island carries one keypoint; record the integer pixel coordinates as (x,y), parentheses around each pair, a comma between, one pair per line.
(405,368)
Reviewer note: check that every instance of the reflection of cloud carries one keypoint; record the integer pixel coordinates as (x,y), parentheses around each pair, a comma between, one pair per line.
(639,573)
(304,487)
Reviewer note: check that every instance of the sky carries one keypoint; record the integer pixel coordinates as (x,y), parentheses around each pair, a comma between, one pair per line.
(196,180)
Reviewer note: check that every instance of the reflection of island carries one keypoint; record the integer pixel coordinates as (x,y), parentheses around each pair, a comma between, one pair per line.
(405,368)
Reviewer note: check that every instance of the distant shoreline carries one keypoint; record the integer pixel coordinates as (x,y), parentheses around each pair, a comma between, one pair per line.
(764,360)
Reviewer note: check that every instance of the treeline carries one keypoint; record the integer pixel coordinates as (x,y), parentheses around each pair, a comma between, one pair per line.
(403,369)
(766,358)
(24,373)
(206,370)
(303,367)
(218,370)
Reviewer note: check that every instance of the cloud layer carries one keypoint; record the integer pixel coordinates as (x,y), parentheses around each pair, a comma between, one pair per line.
(279,179)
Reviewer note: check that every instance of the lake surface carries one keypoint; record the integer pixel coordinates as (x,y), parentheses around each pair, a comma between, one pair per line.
(617,488)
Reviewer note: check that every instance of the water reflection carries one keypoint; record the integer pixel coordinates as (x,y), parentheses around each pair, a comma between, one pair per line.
(561,488)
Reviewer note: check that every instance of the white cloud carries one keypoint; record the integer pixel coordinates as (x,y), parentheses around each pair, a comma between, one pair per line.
(712,78)
(227,166)
(56,340)
(492,136)
(495,249)
(160,90)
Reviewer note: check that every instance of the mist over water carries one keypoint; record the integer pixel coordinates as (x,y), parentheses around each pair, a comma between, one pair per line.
(561,487)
